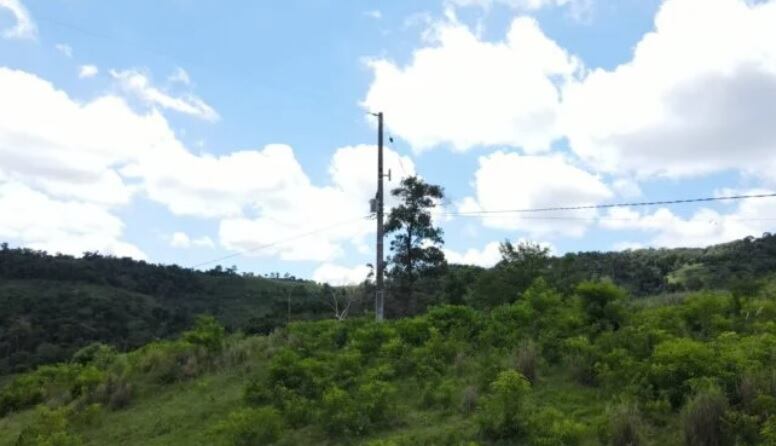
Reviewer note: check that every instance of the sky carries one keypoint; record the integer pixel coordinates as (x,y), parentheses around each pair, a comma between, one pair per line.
(239,133)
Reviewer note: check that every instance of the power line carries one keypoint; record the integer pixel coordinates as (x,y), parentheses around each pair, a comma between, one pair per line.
(612,205)
(279,242)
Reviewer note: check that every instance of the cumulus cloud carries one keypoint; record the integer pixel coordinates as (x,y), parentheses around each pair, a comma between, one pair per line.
(337,210)
(337,275)
(182,240)
(24,28)
(485,257)
(139,84)
(467,92)
(87,71)
(751,217)
(65,226)
(512,181)
(697,97)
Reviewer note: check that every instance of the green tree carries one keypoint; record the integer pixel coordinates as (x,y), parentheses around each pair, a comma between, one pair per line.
(416,243)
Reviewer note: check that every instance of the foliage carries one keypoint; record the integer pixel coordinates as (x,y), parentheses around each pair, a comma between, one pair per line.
(703,420)
(503,414)
(248,427)
(416,242)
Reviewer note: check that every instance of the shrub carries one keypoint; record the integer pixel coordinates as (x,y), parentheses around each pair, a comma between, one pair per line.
(50,428)
(469,400)
(340,414)
(768,432)
(208,333)
(527,360)
(375,399)
(97,354)
(503,414)
(249,427)
(677,363)
(439,394)
(580,357)
(549,427)
(602,303)
(626,426)
(703,419)
(22,392)
(304,376)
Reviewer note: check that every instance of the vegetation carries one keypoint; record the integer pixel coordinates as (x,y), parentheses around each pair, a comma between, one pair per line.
(594,366)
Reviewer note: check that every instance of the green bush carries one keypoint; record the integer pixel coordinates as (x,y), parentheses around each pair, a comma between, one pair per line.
(703,420)
(626,427)
(677,364)
(549,427)
(208,333)
(527,360)
(249,427)
(602,302)
(305,376)
(439,394)
(49,428)
(341,414)
(503,414)
(97,354)
(24,391)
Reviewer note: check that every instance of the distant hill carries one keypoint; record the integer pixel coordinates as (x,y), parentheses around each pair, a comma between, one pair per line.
(51,305)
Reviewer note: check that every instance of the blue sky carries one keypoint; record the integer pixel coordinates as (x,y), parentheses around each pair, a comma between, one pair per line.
(181,131)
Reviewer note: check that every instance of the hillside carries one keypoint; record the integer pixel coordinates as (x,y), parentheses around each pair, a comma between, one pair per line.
(52,305)
(590,367)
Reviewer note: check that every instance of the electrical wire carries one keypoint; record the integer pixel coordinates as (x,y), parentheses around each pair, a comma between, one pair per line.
(611,205)
(281,241)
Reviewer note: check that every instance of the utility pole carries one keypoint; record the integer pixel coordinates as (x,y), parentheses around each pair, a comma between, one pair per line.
(380,288)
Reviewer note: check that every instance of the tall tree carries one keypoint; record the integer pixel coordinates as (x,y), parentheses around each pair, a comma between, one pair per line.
(416,242)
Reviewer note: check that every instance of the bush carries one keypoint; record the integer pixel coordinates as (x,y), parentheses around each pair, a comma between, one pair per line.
(527,360)
(22,392)
(340,414)
(207,333)
(249,427)
(469,400)
(703,420)
(304,376)
(503,414)
(439,394)
(626,426)
(602,303)
(97,354)
(768,432)
(50,428)
(676,364)
(549,427)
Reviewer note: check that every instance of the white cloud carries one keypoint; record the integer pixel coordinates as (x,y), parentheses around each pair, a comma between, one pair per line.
(626,187)
(65,226)
(139,84)
(698,96)
(487,257)
(375,14)
(512,181)
(182,240)
(24,28)
(101,153)
(304,207)
(704,227)
(468,92)
(179,76)
(65,49)
(87,71)
(337,275)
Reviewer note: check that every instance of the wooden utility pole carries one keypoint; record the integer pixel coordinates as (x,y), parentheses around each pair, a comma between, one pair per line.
(379,286)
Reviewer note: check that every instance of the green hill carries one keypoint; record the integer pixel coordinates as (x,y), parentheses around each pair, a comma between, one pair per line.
(593,366)
(52,305)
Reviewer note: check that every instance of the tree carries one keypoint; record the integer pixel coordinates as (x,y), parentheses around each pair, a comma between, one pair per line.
(416,242)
